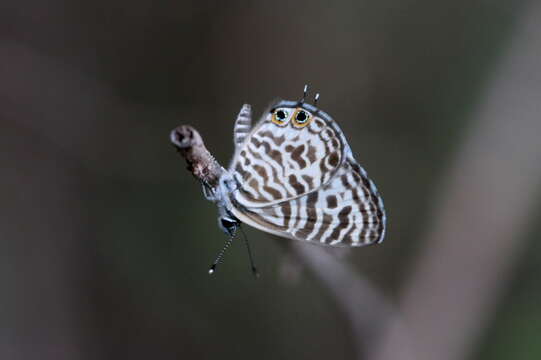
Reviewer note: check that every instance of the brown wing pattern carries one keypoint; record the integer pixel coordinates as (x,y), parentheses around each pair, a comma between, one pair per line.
(347,211)
(276,164)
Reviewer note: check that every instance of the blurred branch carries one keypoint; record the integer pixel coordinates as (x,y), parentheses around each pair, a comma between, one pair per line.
(366,310)
(480,224)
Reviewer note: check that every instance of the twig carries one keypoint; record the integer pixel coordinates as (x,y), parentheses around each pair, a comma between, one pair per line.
(201,163)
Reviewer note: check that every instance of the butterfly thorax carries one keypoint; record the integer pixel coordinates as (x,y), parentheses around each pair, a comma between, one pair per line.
(220,196)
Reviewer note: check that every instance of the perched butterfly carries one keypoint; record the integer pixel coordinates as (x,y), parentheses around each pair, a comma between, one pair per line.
(294,175)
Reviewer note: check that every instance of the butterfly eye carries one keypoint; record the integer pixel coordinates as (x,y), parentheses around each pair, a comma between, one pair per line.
(280,116)
(301,118)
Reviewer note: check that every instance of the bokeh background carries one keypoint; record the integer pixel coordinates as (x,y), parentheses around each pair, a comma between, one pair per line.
(105,238)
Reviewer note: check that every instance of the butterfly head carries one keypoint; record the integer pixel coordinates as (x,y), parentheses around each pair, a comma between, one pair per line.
(228,224)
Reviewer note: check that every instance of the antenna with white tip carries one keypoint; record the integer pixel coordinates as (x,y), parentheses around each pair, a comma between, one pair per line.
(316,98)
(220,255)
(305,92)
(228,242)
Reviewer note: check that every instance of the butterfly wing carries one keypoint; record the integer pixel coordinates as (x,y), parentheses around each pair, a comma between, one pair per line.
(305,184)
(275,164)
(243,125)
(347,211)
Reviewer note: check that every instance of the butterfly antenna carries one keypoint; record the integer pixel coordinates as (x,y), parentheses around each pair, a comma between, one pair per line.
(316,98)
(254,269)
(220,255)
(305,92)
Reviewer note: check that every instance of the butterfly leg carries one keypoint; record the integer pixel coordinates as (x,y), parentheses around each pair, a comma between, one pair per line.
(208,192)
(250,256)
(243,125)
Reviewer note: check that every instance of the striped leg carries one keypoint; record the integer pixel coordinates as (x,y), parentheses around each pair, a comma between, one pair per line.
(243,125)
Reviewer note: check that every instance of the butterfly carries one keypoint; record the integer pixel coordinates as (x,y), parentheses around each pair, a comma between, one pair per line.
(293,175)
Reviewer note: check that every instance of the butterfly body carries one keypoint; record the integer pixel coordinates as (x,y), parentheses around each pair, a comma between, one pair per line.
(294,175)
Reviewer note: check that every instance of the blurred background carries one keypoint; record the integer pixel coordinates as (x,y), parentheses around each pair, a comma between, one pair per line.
(105,238)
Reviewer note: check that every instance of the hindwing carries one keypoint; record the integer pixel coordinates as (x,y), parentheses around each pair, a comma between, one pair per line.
(347,211)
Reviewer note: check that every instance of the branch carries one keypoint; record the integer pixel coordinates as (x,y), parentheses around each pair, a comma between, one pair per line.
(200,162)
(366,310)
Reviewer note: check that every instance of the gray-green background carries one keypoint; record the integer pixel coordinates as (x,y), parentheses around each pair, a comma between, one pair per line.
(105,239)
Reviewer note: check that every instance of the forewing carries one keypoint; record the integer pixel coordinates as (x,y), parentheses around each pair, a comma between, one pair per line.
(276,164)
(347,211)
